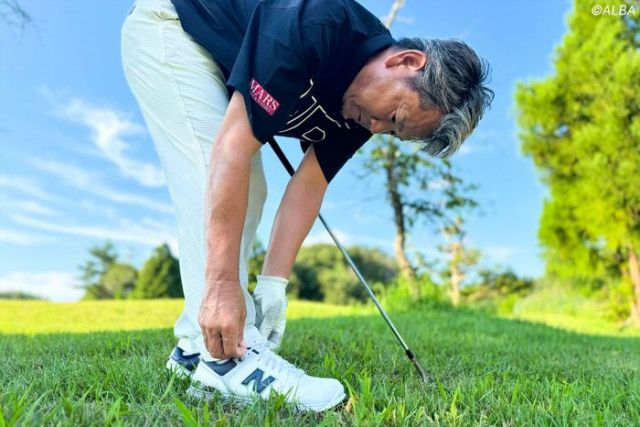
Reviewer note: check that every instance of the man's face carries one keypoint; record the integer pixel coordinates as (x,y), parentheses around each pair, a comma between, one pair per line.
(383,102)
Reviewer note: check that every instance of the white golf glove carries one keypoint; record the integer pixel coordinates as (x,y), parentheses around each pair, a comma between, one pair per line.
(270,297)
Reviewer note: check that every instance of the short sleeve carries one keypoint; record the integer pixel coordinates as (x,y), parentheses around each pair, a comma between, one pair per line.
(271,71)
(333,155)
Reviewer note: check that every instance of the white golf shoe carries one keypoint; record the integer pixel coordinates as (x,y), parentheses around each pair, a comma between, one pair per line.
(182,363)
(261,371)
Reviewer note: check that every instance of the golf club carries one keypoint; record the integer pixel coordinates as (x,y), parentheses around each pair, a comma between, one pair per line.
(412,357)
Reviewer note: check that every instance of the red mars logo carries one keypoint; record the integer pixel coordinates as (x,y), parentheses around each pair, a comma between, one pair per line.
(263,98)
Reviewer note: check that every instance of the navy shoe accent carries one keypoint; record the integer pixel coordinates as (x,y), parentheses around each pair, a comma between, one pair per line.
(221,368)
(258,383)
(189,362)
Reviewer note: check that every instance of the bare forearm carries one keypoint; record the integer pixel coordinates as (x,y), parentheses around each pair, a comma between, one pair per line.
(295,217)
(227,194)
(223,312)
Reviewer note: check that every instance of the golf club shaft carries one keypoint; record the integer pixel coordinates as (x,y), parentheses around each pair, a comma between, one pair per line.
(412,357)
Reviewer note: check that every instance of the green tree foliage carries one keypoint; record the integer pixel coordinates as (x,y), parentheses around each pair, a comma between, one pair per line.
(501,283)
(321,273)
(581,126)
(258,253)
(102,257)
(19,295)
(159,277)
(419,189)
(119,280)
(498,290)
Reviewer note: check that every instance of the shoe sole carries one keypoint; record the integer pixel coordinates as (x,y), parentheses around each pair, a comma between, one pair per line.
(178,369)
(199,393)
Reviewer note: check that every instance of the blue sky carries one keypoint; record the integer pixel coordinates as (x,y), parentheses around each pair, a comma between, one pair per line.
(77,166)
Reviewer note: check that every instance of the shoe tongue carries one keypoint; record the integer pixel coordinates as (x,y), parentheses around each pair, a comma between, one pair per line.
(252,337)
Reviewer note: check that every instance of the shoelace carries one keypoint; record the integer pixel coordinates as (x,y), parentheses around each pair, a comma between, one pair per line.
(274,361)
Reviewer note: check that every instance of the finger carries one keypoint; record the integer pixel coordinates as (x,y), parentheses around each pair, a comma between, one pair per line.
(231,341)
(241,342)
(213,342)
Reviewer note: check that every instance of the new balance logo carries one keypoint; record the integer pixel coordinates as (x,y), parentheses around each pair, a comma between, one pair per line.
(259,384)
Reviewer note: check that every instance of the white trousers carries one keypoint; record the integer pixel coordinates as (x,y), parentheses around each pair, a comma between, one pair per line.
(182,95)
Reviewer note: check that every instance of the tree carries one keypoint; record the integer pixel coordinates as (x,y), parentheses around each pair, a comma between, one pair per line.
(159,277)
(12,14)
(499,289)
(581,126)
(460,257)
(321,273)
(19,295)
(119,280)
(418,189)
(94,269)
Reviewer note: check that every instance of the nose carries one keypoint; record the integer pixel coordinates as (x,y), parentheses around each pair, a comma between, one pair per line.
(380,126)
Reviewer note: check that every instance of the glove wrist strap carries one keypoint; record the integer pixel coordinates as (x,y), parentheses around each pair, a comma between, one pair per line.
(272,282)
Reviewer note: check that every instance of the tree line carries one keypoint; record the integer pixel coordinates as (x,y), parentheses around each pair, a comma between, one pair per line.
(104,276)
(320,273)
(581,127)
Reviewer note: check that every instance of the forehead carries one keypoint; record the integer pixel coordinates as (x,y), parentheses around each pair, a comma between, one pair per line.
(415,122)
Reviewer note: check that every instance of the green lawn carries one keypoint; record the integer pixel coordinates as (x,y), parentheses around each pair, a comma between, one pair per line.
(58,369)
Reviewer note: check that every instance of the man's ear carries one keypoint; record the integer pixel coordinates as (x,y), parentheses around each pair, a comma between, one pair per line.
(410,58)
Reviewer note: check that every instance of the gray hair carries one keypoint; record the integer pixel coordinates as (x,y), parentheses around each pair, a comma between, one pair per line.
(453,80)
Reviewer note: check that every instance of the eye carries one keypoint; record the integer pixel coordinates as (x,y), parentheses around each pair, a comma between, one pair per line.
(393,118)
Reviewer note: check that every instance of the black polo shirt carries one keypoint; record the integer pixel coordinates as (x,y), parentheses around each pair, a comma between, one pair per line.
(292,60)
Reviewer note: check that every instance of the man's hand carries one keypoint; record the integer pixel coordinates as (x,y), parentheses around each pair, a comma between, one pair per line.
(223,309)
(270,297)
(222,317)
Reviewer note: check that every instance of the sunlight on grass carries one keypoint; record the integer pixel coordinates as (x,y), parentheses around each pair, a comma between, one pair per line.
(37,317)
(584,325)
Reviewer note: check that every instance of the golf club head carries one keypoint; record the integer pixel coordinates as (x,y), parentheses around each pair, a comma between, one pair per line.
(421,372)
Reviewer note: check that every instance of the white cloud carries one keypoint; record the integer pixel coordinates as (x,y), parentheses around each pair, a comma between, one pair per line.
(403,19)
(53,285)
(86,181)
(324,237)
(466,149)
(27,186)
(34,207)
(126,231)
(438,184)
(499,254)
(22,238)
(108,128)
(30,206)
(486,140)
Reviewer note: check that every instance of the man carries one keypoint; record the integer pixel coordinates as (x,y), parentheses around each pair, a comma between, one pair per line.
(216,79)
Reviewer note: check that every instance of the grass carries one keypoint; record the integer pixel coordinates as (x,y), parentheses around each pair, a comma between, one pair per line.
(37,317)
(485,370)
(567,308)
